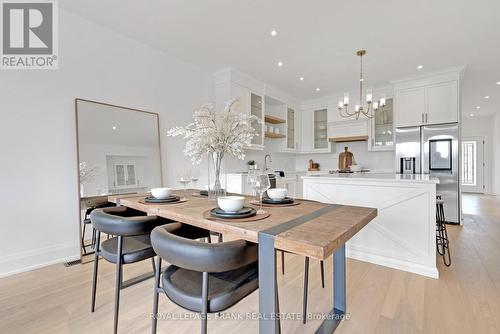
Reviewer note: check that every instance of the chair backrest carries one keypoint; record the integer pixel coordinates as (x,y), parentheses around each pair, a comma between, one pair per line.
(122,221)
(170,245)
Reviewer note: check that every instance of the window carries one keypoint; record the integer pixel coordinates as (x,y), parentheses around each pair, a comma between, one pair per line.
(469,162)
(125,176)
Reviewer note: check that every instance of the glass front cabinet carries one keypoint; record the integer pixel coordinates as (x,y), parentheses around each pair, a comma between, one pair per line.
(257,109)
(382,128)
(290,129)
(320,129)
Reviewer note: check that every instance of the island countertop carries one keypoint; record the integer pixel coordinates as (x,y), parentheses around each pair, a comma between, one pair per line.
(404,178)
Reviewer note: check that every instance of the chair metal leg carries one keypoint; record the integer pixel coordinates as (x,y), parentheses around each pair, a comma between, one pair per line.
(155,295)
(322,269)
(204,303)
(96,264)
(306,283)
(118,282)
(282,263)
(83,240)
(219,239)
(93,238)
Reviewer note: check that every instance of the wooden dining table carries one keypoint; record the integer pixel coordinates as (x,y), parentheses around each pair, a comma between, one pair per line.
(311,229)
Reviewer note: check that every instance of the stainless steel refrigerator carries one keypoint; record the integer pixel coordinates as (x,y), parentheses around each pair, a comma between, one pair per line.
(435,149)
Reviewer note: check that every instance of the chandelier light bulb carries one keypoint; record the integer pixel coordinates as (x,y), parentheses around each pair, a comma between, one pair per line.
(375,105)
(346,99)
(341,104)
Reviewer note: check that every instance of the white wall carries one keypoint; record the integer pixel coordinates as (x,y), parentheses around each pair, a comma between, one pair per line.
(483,126)
(39,191)
(496,154)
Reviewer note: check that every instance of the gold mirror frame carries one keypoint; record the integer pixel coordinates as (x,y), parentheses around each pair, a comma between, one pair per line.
(78,159)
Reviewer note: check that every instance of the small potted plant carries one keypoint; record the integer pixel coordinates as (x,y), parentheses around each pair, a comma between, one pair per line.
(252,165)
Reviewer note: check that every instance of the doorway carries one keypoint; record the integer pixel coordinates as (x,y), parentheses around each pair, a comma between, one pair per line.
(472,172)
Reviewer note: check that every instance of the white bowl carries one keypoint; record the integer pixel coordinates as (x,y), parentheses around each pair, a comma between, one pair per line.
(161,193)
(231,203)
(277,194)
(356,168)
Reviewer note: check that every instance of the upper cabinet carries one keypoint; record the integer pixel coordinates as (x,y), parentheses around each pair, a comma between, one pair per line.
(442,102)
(429,100)
(291,143)
(382,128)
(257,110)
(320,129)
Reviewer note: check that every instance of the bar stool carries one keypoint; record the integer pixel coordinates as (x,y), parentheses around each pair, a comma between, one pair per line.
(306,281)
(442,241)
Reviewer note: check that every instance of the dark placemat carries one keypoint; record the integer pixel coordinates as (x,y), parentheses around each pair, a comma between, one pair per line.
(256,203)
(257,217)
(181,200)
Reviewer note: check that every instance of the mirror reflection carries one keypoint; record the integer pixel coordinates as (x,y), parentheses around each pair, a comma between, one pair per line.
(118,153)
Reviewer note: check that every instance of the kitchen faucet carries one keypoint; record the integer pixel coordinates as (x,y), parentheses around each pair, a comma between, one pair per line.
(265,161)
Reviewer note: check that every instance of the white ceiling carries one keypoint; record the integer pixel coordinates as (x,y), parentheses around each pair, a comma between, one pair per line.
(318,39)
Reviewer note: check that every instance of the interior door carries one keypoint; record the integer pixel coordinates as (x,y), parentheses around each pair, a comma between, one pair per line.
(472,178)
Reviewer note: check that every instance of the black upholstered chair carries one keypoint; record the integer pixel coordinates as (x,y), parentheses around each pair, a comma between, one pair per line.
(306,281)
(131,243)
(203,278)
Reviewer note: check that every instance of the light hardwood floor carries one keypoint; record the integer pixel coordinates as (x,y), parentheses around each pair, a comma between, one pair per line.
(466,298)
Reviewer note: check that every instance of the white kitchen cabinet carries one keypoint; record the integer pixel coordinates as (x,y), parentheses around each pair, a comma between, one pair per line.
(410,106)
(251,103)
(381,128)
(291,126)
(314,130)
(428,100)
(442,103)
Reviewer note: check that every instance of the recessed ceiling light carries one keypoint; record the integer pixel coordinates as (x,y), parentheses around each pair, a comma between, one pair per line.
(280,63)
(301,78)
(472,115)
(274,32)
(113,127)
(498,83)
(317,89)
(420,67)
(487,97)
(478,107)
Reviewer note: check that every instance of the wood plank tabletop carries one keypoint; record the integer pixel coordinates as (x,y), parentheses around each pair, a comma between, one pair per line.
(317,238)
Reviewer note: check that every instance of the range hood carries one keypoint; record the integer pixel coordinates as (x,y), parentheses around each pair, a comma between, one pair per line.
(348,131)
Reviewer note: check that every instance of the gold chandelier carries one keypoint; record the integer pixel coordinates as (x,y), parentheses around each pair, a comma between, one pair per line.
(359,108)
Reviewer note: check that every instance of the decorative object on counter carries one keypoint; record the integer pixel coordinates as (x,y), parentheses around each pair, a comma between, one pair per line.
(252,165)
(87,173)
(217,135)
(359,109)
(346,159)
(313,166)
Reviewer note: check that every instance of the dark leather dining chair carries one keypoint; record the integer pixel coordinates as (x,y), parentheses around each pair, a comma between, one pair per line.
(203,278)
(131,243)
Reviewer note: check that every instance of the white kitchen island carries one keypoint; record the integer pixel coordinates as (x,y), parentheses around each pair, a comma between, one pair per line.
(403,235)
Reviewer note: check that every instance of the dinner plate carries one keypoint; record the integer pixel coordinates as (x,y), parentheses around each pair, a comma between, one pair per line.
(242,211)
(286,200)
(169,199)
(217,212)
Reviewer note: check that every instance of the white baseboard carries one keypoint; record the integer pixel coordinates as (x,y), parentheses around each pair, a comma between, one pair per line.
(392,263)
(38,258)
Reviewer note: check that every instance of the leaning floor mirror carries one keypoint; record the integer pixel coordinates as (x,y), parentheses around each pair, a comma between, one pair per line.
(118,153)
